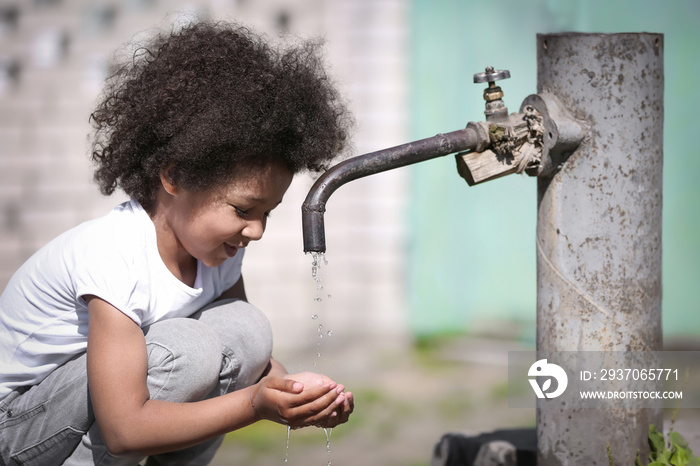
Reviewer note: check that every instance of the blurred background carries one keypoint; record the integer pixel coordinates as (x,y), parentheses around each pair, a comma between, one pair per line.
(428,283)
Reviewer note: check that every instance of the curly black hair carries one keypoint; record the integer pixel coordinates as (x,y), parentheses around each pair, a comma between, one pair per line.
(202,100)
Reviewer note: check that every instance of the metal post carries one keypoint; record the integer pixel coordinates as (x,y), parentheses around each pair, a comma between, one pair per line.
(599,230)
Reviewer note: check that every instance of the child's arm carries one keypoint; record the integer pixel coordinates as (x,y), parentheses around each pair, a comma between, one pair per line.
(132,423)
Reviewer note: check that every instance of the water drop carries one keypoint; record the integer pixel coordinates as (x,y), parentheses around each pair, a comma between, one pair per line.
(329,333)
(319,287)
(314,317)
(318,300)
(329,296)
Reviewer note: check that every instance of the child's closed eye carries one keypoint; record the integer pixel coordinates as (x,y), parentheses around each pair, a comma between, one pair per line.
(240,212)
(246,212)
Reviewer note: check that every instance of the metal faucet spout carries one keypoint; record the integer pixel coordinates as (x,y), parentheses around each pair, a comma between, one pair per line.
(314,206)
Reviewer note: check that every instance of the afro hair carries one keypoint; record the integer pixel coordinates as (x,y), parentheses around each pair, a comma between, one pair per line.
(208,98)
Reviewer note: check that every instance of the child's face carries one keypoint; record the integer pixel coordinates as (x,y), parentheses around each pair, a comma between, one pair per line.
(211,226)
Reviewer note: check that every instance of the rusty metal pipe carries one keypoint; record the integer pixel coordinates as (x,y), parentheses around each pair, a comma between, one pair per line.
(314,206)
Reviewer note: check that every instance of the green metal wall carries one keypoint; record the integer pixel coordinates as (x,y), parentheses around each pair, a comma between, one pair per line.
(472,250)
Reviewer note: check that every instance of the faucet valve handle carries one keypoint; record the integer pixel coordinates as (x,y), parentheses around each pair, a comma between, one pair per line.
(496,109)
(491,75)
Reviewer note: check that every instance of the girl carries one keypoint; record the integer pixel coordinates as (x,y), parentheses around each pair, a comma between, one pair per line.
(130,336)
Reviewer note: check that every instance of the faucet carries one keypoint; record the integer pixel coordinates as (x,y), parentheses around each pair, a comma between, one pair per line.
(314,206)
(484,151)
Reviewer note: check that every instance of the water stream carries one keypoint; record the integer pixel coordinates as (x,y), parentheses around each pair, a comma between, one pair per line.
(318,260)
(328,433)
(286,450)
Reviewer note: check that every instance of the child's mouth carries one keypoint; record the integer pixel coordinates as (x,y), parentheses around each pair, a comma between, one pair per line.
(230,250)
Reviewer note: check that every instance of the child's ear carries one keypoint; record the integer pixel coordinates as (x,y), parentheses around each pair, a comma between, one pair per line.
(167,182)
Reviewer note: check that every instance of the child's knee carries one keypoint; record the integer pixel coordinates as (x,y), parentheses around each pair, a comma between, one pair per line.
(246,336)
(184,360)
(257,343)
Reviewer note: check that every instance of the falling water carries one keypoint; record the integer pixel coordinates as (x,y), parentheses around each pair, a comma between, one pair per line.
(328,433)
(318,260)
(286,450)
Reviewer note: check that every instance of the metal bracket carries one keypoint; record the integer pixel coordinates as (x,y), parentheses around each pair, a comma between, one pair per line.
(562,132)
(514,146)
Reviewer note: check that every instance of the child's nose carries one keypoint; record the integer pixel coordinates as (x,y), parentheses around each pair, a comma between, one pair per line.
(254,230)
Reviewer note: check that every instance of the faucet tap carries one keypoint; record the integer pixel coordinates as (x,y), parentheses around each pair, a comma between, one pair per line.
(471,138)
(536,141)
(496,109)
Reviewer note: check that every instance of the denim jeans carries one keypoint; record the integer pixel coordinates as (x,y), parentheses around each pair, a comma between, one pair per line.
(224,347)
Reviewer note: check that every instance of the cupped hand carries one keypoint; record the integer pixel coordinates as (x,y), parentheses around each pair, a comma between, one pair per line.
(345,401)
(293,403)
(309,379)
(346,408)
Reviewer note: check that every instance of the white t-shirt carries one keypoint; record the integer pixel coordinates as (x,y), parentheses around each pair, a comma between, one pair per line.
(43,317)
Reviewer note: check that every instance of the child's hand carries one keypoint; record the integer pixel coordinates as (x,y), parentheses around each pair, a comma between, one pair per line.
(290,403)
(309,379)
(344,401)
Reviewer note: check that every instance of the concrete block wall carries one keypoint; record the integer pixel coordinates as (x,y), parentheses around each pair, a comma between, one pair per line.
(53,57)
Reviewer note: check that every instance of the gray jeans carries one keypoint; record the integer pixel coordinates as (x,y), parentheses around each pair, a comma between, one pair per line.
(224,347)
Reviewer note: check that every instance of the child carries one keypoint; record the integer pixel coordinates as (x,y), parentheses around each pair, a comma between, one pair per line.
(130,336)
